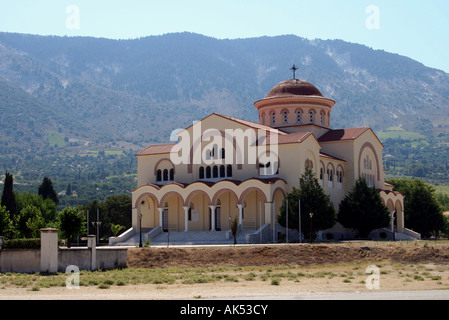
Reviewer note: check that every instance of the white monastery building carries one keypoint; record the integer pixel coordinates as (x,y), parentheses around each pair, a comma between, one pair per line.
(224,167)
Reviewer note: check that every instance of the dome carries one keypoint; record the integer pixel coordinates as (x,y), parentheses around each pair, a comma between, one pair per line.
(293,87)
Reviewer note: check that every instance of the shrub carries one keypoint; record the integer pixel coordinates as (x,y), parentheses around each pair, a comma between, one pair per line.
(22,244)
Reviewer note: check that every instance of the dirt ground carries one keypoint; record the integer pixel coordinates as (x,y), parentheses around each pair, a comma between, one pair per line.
(289,255)
(277,271)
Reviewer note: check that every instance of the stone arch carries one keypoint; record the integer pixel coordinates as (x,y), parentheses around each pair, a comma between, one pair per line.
(156,167)
(399,208)
(143,196)
(169,194)
(219,192)
(390,205)
(194,193)
(248,190)
(371,147)
(147,205)
(276,190)
(339,166)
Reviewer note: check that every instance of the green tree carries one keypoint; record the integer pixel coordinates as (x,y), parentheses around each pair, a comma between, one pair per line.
(362,210)
(47,207)
(313,200)
(422,211)
(115,229)
(8,197)
(69,190)
(71,223)
(115,209)
(29,221)
(46,190)
(443,200)
(6,225)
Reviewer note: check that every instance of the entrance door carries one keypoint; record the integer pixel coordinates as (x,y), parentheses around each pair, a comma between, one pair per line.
(218,218)
(165,220)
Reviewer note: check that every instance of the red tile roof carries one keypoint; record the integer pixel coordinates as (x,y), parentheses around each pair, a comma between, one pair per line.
(343,134)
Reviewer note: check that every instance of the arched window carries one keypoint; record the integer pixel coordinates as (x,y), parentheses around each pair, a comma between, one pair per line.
(222,172)
(312,117)
(298,116)
(339,179)
(285,117)
(223,153)
(215,172)
(201,172)
(340,176)
(322,117)
(165,175)
(208,173)
(159,175)
(229,171)
(172,174)
(273,117)
(330,178)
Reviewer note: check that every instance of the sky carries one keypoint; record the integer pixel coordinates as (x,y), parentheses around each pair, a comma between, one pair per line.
(417,29)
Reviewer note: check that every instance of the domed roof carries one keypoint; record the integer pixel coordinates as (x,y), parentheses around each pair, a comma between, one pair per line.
(293,87)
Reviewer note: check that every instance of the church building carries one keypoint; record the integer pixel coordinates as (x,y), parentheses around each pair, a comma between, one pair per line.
(221,167)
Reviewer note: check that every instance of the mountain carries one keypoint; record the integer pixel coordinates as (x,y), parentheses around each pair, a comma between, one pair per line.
(125,88)
(69,95)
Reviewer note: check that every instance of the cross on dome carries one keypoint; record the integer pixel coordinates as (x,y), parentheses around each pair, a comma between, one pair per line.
(294,68)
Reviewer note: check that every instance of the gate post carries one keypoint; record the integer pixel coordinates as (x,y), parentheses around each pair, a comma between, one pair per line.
(49,250)
(91,245)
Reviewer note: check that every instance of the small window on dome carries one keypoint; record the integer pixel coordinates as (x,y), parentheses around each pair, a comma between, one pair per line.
(312,117)
(285,114)
(298,116)
(273,118)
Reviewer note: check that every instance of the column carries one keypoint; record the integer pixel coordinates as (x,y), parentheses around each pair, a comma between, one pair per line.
(392,221)
(268,212)
(49,250)
(161,210)
(134,218)
(186,218)
(240,206)
(212,214)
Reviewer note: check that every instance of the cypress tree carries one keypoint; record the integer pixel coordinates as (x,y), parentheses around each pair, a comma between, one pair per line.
(8,197)
(46,190)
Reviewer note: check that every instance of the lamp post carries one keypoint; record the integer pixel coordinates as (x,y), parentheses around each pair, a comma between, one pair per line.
(97,224)
(140,230)
(311,216)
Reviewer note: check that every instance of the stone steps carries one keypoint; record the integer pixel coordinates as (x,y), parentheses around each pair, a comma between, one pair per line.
(189,238)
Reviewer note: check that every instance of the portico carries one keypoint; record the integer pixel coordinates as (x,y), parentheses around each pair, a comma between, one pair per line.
(205,206)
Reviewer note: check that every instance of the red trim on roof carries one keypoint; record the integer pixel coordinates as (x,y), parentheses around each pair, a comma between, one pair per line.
(156,149)
(325,155)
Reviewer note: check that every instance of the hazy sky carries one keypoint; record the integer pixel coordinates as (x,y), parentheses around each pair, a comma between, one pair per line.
(417,28)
